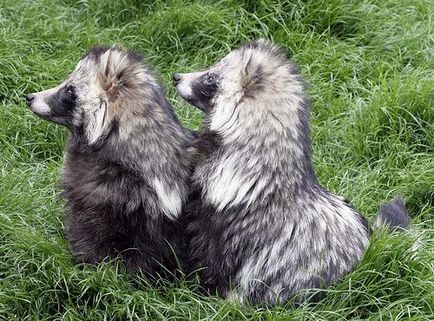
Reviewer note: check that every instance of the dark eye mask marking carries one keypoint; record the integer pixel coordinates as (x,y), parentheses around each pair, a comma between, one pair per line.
(63,103)
(204,89)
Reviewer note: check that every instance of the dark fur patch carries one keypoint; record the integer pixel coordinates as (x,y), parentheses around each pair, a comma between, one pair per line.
(118,225)
(204,89)
(62,105)
(393,214)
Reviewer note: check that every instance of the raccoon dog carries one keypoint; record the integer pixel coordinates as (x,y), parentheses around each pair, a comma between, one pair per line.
(263,229)
(126,170)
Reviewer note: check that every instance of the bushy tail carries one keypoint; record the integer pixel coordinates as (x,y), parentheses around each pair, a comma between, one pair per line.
(392,215)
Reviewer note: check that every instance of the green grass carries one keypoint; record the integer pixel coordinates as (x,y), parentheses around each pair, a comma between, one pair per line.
(370,69)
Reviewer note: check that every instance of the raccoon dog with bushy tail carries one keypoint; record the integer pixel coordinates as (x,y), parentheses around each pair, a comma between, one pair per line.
(263,229)
(126,170)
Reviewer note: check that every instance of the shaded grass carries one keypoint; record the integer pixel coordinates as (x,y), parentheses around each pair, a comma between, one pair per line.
(370,69)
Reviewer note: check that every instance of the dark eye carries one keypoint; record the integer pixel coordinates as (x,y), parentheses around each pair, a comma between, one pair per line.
(69,93)
(209,80)
(69,90)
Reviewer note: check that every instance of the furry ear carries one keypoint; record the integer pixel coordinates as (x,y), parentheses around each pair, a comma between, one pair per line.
(113,74)
(96,124)
(253,73)
(120,71)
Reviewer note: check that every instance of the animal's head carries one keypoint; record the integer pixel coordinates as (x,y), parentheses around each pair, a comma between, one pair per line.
(254,75)
(93,96)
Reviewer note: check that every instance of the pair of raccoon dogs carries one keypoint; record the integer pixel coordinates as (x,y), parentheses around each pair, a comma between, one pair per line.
(238,202)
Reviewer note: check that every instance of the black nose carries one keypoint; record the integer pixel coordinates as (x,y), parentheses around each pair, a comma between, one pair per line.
(176,78)
(30,98)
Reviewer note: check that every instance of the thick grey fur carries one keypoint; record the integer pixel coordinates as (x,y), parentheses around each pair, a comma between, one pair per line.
(126,170)
(261,227)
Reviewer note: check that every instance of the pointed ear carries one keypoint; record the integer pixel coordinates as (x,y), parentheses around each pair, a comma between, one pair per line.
(252,75)
(97,124)
(113,74)
(248,66)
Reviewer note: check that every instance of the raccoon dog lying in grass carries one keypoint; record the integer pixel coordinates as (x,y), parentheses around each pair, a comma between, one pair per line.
(126,170)
(263,229)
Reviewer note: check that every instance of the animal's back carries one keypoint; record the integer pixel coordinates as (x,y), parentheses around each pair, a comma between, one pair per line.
(269,252)
(310,243)
(107,216)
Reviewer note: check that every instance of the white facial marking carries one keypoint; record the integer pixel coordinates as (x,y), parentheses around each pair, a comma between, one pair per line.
(184,86)
(39,104)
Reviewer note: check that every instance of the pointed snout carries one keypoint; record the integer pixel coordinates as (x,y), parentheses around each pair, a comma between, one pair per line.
(176,79)
(30,98)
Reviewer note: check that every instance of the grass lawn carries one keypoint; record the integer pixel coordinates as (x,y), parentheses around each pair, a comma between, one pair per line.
(370,69)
